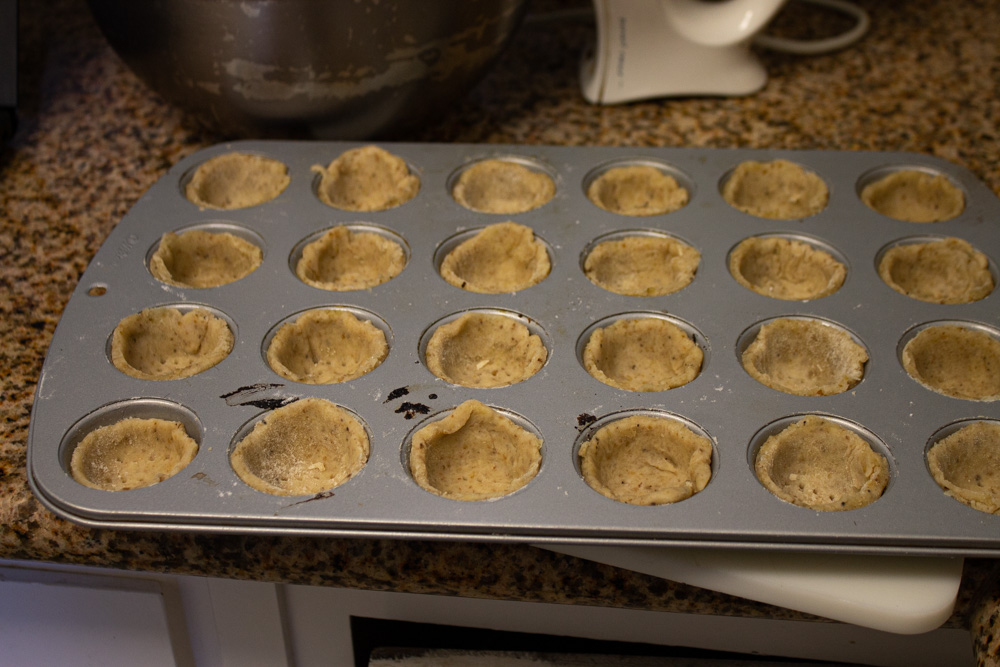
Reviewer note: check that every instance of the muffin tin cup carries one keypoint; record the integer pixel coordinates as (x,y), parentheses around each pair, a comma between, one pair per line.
(560,401)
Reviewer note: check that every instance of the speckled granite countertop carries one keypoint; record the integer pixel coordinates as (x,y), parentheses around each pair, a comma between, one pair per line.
(92,139)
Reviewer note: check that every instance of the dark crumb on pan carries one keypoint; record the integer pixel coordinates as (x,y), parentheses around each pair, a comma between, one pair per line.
(397,393)
(432,396)
(583,420)
(251,388)
(411,410)
(319,496)
(246,396)
(200,476)
(268,403)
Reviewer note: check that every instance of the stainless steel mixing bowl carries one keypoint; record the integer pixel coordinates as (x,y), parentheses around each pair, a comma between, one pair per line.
(344,69)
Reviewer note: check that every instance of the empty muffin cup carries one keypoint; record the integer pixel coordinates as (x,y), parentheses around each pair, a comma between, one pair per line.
(344,259)
(641,264)
(914,195)
(644,353)
(804,357)
(236,180)
(306,447)
(637,190)
(484,349)
(822,465)
(368,178)
(646,460)
(200,258)
(326,346)
(944,270)
(474,453)
(500,258)
(779,190)
(506,186)
(966,464)
(957,360)
(132,453)
(786,268)
(168,343)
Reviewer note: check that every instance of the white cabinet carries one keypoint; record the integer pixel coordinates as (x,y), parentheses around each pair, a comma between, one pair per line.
(59,615)
(71,618)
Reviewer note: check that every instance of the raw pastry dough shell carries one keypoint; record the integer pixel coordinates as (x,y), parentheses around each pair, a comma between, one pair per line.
(202,259)
(642,265)
(946,271)
(343,260)
(368,178)
(819,464)
(236,180)
(637,190)
(914,196)
(643,354)
(956,361)
(786,269)
(966,465)
(305,447)
(779,190)
(502,186)
(804,357)
(132,453)
(163,343)
(474,453)
(500,258)
(645,460)
(326,346)
(484,350)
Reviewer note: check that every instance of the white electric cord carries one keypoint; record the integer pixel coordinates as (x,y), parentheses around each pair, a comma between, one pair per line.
(802,47)
(819,46)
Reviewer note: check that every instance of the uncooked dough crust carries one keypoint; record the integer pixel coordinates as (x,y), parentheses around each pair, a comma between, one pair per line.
(637,190)
(955,361)
(484,350)
(305,447)
(342,260)
(236,180)
(366,179)
(914,196)
(780,190)
(200,259)
(132,453)
(505,257)
(474,453)
(966,464)
(785,269)
(805,358)
(821,465)
(646,354)
(326,346)
(642,265)
(502,186)
(945,271)
(166,344)
(643,460)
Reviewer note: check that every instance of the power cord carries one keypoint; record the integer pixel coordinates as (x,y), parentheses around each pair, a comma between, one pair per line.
(802,47)
(819,46)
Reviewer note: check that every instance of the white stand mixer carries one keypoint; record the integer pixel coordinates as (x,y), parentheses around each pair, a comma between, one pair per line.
(667,48)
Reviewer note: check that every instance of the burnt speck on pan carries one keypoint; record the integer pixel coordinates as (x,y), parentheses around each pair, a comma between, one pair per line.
(319,496)
(397,393)
(252,395)
(411,410)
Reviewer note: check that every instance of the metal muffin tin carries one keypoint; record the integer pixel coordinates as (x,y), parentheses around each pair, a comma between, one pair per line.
(79,389)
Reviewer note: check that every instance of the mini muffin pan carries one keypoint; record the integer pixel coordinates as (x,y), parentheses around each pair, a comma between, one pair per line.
(80,390)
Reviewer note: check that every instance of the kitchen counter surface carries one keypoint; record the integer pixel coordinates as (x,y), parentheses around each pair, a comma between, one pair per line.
(92,139)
